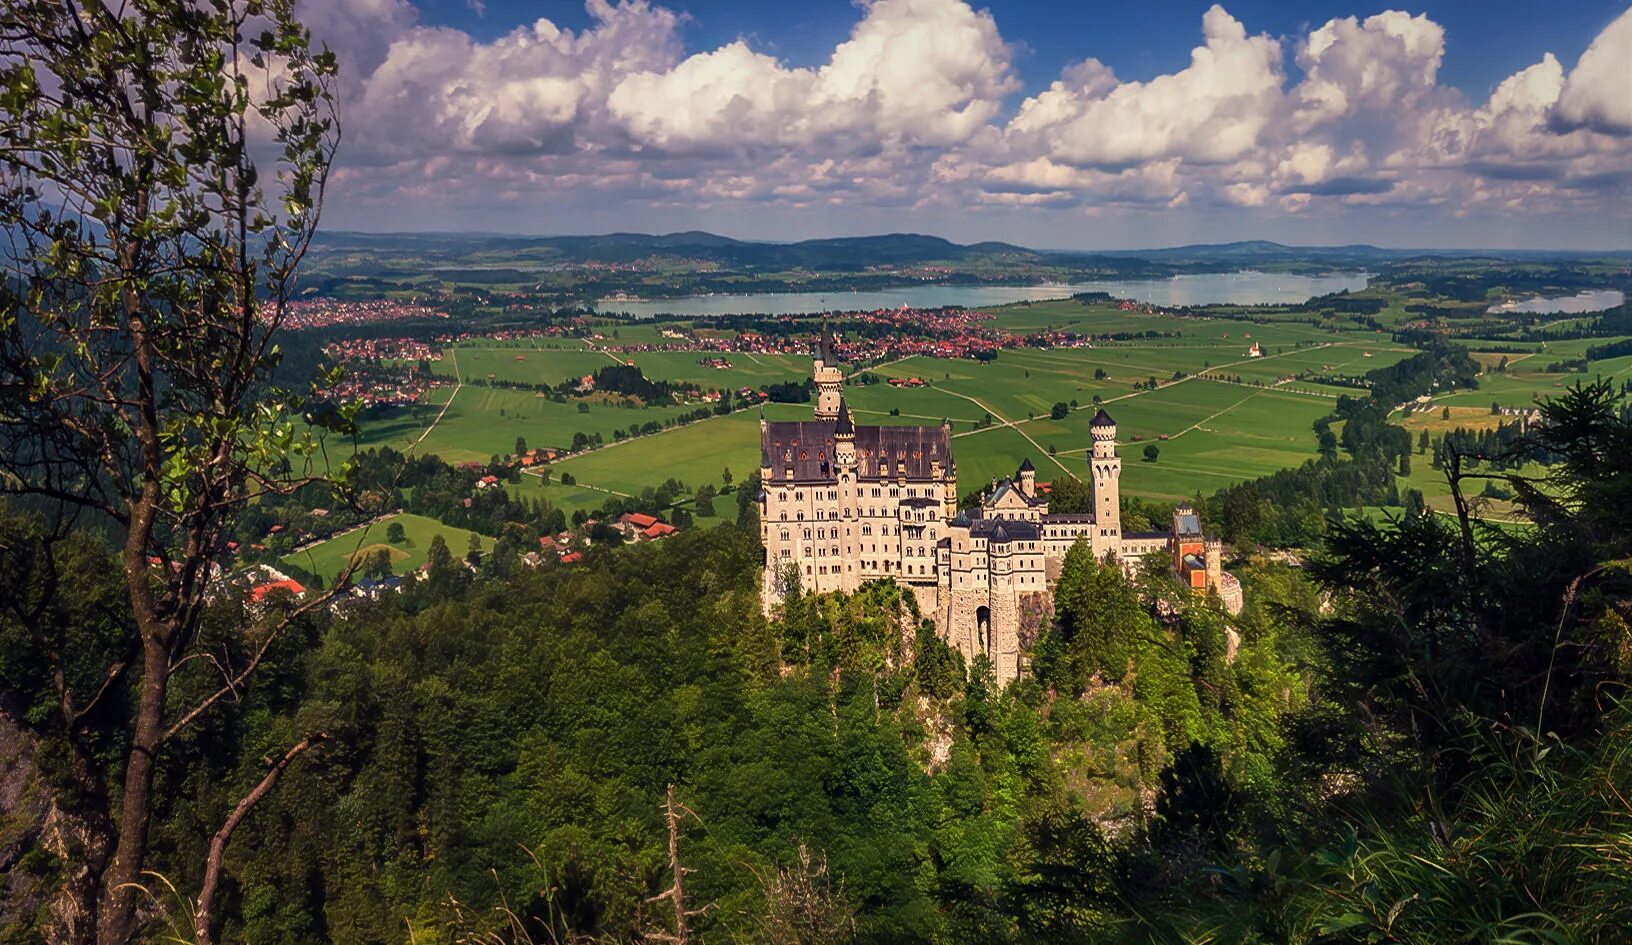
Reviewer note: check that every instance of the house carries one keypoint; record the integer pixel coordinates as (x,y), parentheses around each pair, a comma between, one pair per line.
(572,557)
(487,482)
(375,588)
(657,530)
(261,592)
(633,524)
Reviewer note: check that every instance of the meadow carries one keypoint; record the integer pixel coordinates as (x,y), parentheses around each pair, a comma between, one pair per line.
(329,558)
(484,421)
(1225,416)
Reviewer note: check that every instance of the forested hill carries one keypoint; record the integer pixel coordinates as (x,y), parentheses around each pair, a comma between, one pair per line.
(1419,738)
(845,253)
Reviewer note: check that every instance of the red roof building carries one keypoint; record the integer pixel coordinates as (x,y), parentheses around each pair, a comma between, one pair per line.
(260,592)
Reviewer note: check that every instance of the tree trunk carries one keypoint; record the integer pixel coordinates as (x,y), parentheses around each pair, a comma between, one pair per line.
(121,887)
(121,884)
(204,915)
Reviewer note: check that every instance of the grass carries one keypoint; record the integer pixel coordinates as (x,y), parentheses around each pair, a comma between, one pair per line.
(1218,432)
(486,420)
(329,558)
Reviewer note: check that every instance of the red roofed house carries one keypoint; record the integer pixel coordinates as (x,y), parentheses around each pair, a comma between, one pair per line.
(657,530)
(260,592)
(571,557)
(633,524)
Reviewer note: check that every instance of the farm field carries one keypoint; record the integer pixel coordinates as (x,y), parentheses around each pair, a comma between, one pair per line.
(746,370)
(1102,319)
(694,454)
(522,365)
(483,421)
(1219,432)
(329,558)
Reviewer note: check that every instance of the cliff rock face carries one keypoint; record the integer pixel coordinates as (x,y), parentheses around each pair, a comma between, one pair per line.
(24,810)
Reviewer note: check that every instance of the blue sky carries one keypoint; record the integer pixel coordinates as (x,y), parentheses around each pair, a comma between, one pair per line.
(1488,41)
(1499,123)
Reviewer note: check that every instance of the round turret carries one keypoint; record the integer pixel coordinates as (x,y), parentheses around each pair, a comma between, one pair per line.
(1102,426)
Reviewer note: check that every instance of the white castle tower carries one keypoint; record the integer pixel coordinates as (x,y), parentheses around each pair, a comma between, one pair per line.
(1106,469)
(829,378)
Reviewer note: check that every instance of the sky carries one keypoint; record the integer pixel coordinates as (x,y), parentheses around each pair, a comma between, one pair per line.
(1081,125)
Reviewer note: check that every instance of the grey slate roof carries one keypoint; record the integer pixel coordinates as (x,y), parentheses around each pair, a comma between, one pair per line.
(1004,529)
(1102,419)
(1069,518)
(807,446)
(844,426)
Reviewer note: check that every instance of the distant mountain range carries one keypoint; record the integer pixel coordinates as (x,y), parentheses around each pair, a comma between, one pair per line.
(854,252)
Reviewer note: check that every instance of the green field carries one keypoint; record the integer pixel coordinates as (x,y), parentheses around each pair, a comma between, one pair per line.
(483,421)
(549,366)
(1226,416)
(1218,432)
(329,558)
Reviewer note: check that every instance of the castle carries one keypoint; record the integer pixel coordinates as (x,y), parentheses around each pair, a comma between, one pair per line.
(843,504)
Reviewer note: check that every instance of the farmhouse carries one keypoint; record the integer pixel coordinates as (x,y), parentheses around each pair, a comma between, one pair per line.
(843,504)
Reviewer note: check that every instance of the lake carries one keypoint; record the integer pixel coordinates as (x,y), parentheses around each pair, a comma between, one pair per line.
(1595,300)
(1235,288)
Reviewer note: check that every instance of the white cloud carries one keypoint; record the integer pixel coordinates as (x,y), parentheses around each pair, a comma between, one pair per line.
(1386,62)
(1598,93)
(913,72)
(533,90)
(916,109)
(1214,110)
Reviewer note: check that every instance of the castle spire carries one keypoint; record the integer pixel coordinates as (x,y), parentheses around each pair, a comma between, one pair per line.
(844,427)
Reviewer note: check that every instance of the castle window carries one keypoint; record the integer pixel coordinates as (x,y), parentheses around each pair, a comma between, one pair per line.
(785,535)
(801,515)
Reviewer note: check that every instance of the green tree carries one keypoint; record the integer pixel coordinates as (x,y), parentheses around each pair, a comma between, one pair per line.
(1069,494)
(377,564)
(395,533)
(704,500)
(1060,410)
(150,263)
(1151,452)
(521,446)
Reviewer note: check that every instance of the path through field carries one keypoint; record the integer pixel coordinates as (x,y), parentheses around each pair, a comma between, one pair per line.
(458,383)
